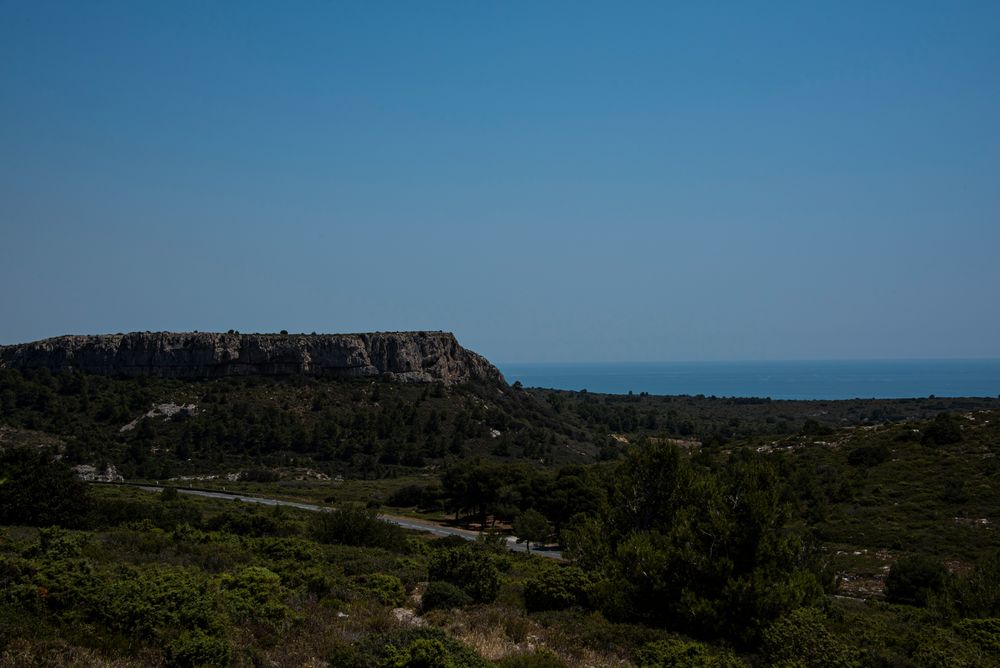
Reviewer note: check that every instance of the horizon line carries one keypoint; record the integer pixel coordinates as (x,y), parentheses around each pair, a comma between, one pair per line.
(758,361)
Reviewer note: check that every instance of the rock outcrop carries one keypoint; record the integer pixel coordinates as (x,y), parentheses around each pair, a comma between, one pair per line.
(400,356)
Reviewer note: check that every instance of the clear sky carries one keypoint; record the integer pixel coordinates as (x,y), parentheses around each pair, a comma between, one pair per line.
(551,181)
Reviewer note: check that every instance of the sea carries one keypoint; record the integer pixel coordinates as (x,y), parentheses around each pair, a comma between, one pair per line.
(856,379)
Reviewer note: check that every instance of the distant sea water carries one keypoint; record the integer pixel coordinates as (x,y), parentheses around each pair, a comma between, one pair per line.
(865,379)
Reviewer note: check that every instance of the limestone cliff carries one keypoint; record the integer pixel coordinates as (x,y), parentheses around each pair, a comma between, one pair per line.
(401,356)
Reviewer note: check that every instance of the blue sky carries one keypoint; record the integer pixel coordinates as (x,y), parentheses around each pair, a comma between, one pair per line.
(552,181)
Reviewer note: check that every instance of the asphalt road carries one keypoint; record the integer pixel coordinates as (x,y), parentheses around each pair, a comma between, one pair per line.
(405,522)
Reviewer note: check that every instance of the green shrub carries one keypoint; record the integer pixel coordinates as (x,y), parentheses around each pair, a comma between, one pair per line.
(154,601)
(943,431)
(913,579)
(288,548)
(473,571)
(984,633)
(443,595)
(978,594)
(184,536)
(404,497)
(387,589)
(557,589)
(539,658)
(410,646)
(813,428)
(868,455)
(801,638)
(358,527)
(940,647)
(248,521)
(58,543)
(17,587)
(491,540)
(421,653)
(71,584)
(447,542)
(196,648)
(685,654)
(255,593)
(319,581)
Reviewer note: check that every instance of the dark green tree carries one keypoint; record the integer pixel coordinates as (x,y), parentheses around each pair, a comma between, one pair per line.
(531,526)
(701,552)
(37,490)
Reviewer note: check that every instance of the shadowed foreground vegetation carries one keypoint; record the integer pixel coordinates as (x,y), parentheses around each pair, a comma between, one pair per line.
(827,541)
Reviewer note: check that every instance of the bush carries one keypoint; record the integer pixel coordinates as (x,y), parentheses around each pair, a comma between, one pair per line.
(404,497)
(491,540)
(421,653)
(358,527)
(914,579)
(447,542)
(58,543)
(557,589)
(868,455)
(247,521)
(802,639)
(941,647)
(954,491)
(813,428)
(443,595)
(943,431)
(149,603)
(255,593)
(416,647)
(539,658)
(387,589)
(473,571)
(685,654)
(978,594)
(982,632)
(196,648)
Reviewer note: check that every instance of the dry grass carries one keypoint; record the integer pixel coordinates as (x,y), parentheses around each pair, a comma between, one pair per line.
(59,654)
(498,632)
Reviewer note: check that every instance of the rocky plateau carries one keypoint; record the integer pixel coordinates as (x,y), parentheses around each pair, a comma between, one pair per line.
(400,356)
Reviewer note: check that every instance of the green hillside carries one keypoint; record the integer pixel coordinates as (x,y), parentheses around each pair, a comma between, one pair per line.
(695,531)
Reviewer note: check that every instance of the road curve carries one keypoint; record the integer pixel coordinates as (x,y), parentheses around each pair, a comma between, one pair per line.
(405,522)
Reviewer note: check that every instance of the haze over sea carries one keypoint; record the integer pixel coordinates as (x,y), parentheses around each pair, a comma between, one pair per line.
(829,379)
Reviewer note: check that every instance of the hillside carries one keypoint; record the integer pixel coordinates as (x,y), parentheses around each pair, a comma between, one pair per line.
(759,552)
(157,428)
(730,530)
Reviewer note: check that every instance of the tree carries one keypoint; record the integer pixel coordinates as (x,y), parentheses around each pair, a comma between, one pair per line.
(36,490)
(530,526)
(575,490)
(702,552)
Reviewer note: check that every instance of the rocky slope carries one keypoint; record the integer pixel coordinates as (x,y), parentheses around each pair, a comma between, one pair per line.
(401,356)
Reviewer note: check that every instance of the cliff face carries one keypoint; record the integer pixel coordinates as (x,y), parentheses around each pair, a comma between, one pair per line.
(401,356)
